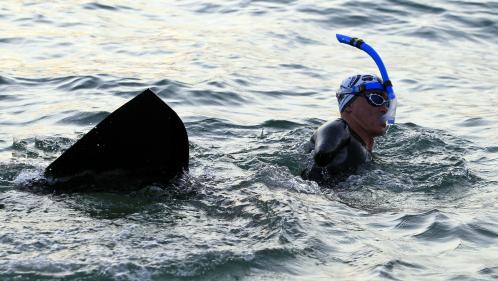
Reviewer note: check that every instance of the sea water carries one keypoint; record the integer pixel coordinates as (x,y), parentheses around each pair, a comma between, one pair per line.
(252,80)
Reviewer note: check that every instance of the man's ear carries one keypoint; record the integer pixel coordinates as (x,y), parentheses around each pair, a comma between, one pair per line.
(348,109)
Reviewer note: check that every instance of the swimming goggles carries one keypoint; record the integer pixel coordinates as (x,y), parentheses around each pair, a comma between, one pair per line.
(376,100)
(373,99)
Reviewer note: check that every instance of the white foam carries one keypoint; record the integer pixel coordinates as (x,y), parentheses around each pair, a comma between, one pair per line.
(28,175)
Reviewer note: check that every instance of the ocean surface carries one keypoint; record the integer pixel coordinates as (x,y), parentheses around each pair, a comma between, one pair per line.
(252,80)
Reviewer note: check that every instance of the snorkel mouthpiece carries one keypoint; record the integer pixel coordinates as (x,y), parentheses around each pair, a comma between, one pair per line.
(389,117)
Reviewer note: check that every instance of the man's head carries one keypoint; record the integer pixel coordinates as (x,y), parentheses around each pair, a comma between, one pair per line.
(363,103)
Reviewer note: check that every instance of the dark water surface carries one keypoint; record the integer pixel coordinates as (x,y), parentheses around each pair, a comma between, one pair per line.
(252,80)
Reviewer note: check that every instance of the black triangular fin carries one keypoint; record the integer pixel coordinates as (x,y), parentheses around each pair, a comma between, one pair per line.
(143,135)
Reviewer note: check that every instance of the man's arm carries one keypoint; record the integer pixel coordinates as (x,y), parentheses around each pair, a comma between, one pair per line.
(329,139)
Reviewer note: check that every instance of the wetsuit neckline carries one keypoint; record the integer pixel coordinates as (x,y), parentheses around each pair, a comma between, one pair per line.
(354,134)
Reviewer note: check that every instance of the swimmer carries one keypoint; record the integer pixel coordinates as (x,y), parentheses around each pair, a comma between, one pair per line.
(339,146)
(367,105)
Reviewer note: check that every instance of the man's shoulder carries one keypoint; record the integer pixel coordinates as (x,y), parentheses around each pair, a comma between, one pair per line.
(333,125)
(332,131)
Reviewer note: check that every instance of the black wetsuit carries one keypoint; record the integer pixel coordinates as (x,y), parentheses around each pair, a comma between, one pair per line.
(336,151)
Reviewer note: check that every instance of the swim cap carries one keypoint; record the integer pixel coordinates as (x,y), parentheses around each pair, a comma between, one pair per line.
(355,84)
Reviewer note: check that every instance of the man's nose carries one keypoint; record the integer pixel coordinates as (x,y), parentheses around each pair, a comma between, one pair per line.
(383,109)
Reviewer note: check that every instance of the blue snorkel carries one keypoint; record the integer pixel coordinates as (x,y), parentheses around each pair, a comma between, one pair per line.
(360,44)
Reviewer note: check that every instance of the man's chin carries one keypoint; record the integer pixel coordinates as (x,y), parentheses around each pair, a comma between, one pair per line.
(380,130)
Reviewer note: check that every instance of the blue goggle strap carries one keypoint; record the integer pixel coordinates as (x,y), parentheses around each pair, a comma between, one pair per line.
(365,88)
(368,87)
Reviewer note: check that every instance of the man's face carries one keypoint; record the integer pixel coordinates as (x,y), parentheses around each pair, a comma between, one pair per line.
(369,117)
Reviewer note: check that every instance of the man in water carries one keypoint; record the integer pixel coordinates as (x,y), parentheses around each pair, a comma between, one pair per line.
(339,146)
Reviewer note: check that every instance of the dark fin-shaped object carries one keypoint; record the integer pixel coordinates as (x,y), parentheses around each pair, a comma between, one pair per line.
(144,138)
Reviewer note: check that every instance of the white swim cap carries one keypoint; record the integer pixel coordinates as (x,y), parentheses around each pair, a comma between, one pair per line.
(352,85)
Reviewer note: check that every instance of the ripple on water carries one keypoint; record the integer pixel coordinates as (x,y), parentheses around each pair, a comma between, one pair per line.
(26,81)
(11,40)
(419,7)
(419,221)
(81,82)
(84,118)
(490,271)
(208,8)
(439,33)
(426,159)
(209,97)
(101,82)
(492,149)
(170,89)
(6,81)
(99,6)
(436,226)
(394,268)
(474,122)
(440,231)
(341,16)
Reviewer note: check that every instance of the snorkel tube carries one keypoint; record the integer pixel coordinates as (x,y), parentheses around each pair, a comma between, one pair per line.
(389,117)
